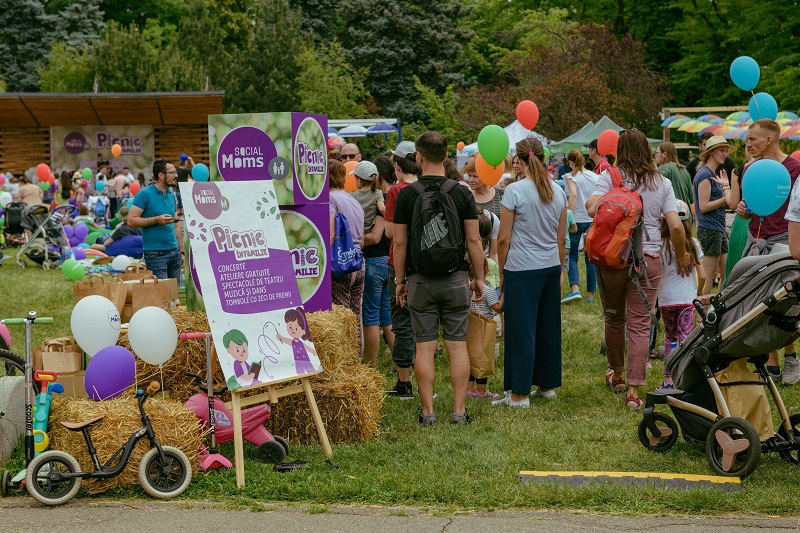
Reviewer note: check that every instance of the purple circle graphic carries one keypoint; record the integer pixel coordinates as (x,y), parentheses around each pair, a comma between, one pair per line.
(207,199)
(74,142)
(244,154)
(195,277)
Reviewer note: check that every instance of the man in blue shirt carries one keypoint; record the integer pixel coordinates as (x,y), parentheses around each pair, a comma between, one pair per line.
(153,210)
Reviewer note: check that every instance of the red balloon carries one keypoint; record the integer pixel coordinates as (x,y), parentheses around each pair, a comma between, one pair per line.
(487,173)
(133,188)
(42,172)
(52,179)
(796,154)
(607,143)
(527,114)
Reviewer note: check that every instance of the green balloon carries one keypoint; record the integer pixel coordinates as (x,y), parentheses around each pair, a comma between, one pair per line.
(87,173)
(493,144)
(44,185)
(72,269)
(2,221)
(92,237)
(546,154)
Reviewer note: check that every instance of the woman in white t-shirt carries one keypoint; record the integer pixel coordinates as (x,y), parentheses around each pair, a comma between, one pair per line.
(580,184)
(624,311)
(678,292)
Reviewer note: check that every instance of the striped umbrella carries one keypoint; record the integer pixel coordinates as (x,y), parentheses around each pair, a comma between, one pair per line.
(672,119)
(739,116)
(708,118)
(787,114)
(678,123)
(735,133)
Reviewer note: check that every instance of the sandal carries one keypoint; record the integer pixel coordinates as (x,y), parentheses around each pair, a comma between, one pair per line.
(617,385)
(634,403)
(486,394)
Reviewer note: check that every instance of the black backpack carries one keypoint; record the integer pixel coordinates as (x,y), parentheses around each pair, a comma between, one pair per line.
(436,241)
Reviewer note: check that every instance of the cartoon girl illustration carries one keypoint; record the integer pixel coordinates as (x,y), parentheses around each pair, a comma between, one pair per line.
(297,327)
(236,345)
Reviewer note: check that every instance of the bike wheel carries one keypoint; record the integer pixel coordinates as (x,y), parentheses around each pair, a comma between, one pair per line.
(46,490)
(165,478)
(12,402)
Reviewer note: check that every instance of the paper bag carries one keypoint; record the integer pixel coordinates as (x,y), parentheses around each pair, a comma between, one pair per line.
(747,401)
(481,332)
(73,383)
(58,355)
(105,286)
(134,272)
(151,291)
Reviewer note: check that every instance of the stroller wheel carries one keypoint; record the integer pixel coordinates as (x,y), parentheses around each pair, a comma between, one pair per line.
(669,433)
(47,265)
(733,448)
(270,452)
(791,456)
(21,263)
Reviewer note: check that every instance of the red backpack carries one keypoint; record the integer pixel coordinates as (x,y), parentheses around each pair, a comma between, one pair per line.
(615,238)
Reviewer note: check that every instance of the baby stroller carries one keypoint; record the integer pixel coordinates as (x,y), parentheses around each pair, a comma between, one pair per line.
(13,230)
(47,243)
(758,312)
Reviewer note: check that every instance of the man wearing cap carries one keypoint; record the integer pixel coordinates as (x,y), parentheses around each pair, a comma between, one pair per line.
(600,161)
(404,158)
(350,152)
(123,230)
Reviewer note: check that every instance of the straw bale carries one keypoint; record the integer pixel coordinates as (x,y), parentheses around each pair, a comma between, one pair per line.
(335,335)
(174,425)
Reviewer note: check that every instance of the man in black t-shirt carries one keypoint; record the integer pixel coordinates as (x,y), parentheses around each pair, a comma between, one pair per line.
(435,300)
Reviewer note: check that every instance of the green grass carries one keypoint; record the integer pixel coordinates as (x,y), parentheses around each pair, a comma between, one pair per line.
(448,469)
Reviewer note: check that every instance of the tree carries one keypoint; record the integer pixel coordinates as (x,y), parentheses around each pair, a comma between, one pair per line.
(140,12)
(67,70)
(319,19)
(79,22)
(328,85)
(24,43)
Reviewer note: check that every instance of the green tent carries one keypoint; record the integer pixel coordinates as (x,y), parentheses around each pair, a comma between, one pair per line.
(586,134)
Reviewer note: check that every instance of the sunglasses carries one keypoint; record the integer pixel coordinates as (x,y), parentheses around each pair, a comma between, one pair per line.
(349,156)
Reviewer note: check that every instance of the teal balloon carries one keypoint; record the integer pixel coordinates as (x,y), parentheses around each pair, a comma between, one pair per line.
(766,186)
(86,173)
(72,269)
(493,144)
(745,73)
(762,105)
(100,186)
(200,172)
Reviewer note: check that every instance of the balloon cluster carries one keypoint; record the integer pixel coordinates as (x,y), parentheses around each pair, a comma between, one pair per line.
(96,324)
(745,74)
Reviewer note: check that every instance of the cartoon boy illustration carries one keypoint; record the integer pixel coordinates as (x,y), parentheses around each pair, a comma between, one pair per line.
(236,345)
(297,327)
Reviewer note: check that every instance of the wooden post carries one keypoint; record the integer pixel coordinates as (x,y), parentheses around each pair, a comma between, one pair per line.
(312,402)
(238,440)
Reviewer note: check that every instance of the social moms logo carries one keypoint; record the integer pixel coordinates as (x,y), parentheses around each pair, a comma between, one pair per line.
(75,143)
(244,154)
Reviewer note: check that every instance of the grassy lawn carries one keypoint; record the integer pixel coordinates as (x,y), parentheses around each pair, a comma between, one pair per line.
(448,469)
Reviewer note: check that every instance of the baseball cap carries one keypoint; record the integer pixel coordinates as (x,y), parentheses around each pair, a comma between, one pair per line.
(592,144)
(365,170)
(405,149)
(683,209)
(184,157)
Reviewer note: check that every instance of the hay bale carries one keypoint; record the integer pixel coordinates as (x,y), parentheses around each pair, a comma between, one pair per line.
(173,424)
(335,335)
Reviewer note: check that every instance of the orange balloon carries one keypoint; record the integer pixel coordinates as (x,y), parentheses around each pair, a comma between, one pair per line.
(607,143)
(134,188)
(52,179)
(116,150)
(350,179)
(460,145)
(487,173)
(527,114)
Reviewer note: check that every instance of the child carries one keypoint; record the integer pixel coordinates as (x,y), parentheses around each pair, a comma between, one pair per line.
(236,345)
(486,307)
(297,327)
(572,227)
(368,194)
(676,293)
(98,206)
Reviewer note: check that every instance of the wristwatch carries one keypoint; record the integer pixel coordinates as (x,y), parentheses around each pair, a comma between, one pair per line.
(400,282)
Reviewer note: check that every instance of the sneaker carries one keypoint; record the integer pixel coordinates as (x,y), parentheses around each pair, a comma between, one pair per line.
(551,394)
(402,390)
(486,394)
(426,420)
(774,372)
(665,386)
(571,297)
(506,400)
(791,370)
(590,301)
(457,419)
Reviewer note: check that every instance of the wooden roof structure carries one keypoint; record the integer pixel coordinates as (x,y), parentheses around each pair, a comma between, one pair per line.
(32,110)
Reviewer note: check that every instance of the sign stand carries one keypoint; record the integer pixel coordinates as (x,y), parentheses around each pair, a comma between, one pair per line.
(272,395)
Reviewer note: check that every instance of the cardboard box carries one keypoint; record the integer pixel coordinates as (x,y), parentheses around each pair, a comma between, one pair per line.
(73,384)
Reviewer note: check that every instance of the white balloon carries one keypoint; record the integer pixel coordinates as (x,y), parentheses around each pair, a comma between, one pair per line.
(5,198)
(95,324)
(153,335)
(120,262)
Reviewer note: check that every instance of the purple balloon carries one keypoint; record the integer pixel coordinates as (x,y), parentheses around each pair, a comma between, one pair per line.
(81,231)
(79,253)
(69,232)
(74,241)
(109,373)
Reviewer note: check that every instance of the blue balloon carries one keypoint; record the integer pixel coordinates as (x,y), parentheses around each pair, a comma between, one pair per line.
(100,186)
(766,186)
(745,73)
(200,172)
(763,105)
(83,245)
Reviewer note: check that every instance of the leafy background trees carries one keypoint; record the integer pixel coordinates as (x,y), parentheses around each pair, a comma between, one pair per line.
(454,65)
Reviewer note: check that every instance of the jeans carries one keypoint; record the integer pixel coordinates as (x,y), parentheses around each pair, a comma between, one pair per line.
(405,350)
(376,310)
(574,275)
(164,263)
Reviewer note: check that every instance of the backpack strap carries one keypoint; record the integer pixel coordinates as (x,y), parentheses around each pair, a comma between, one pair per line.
(448,185)
(637,271)
(616,177)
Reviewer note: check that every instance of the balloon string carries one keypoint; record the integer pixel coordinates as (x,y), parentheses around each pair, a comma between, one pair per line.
(760,114)
(758,233)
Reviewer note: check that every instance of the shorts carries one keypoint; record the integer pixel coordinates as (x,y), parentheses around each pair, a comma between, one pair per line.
(435,300)
(375,310)
(713,242)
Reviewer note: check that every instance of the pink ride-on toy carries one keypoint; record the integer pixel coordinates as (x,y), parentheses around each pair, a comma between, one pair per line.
(217,418)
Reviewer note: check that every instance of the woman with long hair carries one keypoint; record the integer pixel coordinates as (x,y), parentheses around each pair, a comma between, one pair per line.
(485,197)
(671,168)
(580,184)
(531,243)
(625,312)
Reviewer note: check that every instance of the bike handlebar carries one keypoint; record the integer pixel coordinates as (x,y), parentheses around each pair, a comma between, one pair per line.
(19,321)
(202,387)
(193,335)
